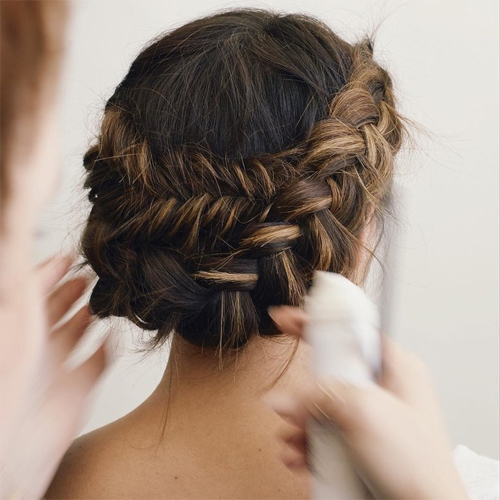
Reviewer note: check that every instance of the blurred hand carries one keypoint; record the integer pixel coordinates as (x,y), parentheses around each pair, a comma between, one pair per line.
(32,40)
(394,431)
(32,52)
(41,399)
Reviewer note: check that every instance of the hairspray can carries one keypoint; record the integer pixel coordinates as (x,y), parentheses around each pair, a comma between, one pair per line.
(343,331)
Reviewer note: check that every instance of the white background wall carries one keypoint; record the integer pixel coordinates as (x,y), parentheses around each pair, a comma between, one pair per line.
(444,59)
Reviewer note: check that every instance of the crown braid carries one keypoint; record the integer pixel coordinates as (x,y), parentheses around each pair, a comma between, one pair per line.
(189,241)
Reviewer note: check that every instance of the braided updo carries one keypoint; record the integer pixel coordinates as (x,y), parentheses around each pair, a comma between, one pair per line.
(241,152)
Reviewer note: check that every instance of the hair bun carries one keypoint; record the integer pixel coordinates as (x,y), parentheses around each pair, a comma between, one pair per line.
(207,211)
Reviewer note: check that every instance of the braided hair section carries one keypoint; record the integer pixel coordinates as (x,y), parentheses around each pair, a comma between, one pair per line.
(190,241)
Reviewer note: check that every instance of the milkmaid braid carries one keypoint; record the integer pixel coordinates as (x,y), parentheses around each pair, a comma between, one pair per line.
(201,218)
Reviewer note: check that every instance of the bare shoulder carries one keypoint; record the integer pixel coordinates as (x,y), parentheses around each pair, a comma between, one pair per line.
(88,470)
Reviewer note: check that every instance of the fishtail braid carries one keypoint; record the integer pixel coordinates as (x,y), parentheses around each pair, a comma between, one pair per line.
(187,240)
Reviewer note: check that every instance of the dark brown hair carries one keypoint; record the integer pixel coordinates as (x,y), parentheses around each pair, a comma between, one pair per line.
(241,152)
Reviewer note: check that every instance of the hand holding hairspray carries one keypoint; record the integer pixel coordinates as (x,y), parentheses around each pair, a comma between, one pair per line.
(343,331)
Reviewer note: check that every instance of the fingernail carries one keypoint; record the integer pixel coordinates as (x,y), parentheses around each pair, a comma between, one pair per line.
(272,311)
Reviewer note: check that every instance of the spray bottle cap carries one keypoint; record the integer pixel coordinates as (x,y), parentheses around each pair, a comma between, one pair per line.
(334,298)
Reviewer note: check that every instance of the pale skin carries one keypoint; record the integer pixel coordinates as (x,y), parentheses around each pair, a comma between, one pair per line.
(395,431)
(220,438)
(41,400)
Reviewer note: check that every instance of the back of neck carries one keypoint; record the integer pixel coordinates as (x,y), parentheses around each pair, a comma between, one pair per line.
(263,364)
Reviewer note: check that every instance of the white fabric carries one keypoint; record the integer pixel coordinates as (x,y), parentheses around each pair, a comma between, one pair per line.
(480,474)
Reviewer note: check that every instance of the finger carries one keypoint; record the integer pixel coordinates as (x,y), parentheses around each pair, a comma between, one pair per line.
(400,365)
(51,271)
(292,459)
(295,439)
(297,466)
(404,374)
(288,319)
(62,298)
(66,401)
(288,407)
(64,339)
(410,379)
(77,384)
(350,408)
(87,374)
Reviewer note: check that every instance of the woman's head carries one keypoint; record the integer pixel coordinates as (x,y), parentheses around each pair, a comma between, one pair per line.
(242,152)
